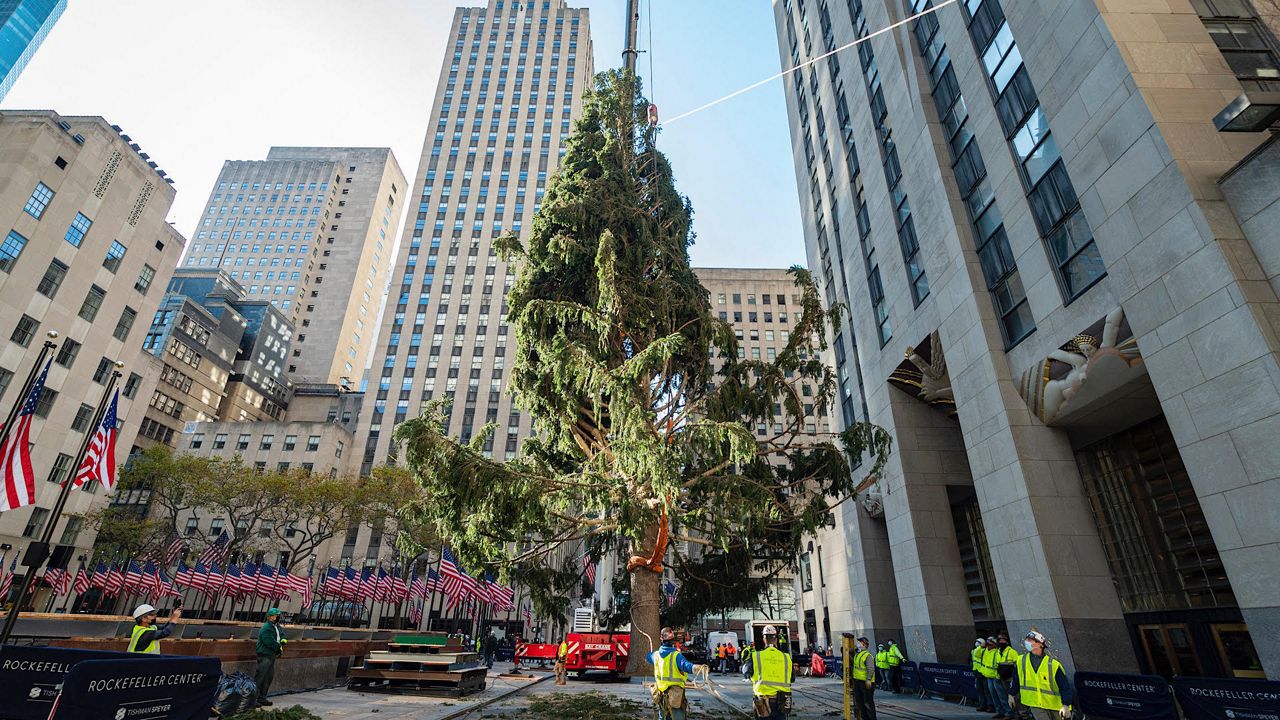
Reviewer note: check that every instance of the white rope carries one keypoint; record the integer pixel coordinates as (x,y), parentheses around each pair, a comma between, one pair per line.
(807,63)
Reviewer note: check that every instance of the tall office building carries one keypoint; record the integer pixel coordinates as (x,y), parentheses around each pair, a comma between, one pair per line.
(309,230)
(510,86)
(24,24)
(1063,282)
(86,253)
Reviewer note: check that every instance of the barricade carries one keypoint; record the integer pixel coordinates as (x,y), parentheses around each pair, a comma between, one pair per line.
(1223,699)
(154,687)
(1124,697)
(910,676)
(947,679)
(30,677)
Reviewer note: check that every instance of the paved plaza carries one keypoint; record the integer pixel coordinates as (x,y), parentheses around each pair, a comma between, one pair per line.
(538,698)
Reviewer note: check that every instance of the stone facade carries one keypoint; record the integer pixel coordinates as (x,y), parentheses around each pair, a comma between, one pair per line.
(96,281)
(326,271)
(991,518)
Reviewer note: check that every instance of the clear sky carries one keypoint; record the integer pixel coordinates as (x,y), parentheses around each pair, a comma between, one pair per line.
(196,83)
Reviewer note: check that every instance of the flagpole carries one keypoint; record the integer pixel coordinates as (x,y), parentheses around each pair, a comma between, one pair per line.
(45,349)
(47,534)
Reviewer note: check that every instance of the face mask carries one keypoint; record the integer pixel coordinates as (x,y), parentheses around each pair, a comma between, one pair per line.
(1027,645)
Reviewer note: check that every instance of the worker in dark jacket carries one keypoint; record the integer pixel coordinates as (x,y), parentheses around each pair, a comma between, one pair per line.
(1041,686)
(145,637)
(270,645)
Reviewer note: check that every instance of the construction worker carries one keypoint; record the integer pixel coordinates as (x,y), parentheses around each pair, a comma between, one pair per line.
(987,672)
(882,666)
(670,669)
(975,661)
(863,684)
(746,657)
(270,646)
(732,652)
(895,667)
(145,636)
(720,655)
(998,687)
(1041,686)
(562,658)
(770,673)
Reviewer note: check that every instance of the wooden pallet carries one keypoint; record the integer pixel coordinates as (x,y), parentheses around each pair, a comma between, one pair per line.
(452,683)
(422,662)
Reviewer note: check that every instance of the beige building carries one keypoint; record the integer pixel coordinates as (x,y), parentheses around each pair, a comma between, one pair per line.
(87,253)
(310,231)
(510,87)
(1063,285)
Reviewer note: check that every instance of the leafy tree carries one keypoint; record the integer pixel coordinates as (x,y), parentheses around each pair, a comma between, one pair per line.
(643,411)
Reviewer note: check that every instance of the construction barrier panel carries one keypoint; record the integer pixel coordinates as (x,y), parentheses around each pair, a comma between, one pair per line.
(151,687)
(1124,697)
(30,677)
(1222,699)
(948,679)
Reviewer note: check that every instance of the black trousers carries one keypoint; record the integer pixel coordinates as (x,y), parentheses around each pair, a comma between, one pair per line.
(895,678)
(864,700)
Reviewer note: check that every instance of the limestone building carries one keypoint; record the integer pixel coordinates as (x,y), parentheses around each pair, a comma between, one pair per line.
(509,89)
(310,231)
(1063,285)
(86,253)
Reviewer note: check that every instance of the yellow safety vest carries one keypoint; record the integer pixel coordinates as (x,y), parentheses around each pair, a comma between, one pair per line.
(562,652)
(667,672)
(882,659)
(895,656)
(770,672)
(1006,655)
(1039,689)
(859,668)
(987,667)
(135,635)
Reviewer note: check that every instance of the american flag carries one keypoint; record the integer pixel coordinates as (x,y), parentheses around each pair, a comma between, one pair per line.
(672,592)
(590,567)
(249,579)
(100,573)
(177,549)
(415,613)
(233,582)
(153,579)
(433,581)
(114,582)
(6,580)
(399,588)
(58,579)
(351,583)
(503,597)
(15,453)
(82,582)
(298,584)
(332,583)
(368,587)
(134,581)
(417,588)
(165,586)
(481,592)
(527,613)
(216,553)
(382,586)
(265,585)
(100,459)
(456,583)
(186,576)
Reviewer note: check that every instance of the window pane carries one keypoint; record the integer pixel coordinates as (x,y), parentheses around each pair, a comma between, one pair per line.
(10,250)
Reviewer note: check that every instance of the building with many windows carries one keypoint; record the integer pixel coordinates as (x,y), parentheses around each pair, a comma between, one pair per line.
(310,231)
(86,253)
(510,87)
(24,24)
(1063,293)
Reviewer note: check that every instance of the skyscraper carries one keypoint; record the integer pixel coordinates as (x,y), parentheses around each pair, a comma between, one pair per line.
(1062,286)
(510,86)
(310,230)
(24,24)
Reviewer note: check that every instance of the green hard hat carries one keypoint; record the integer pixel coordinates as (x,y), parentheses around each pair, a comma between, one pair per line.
(273,611)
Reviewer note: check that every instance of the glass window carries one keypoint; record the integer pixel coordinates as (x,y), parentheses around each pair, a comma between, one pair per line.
(219,441)
(52,280)
(131,385)
(10,249)
(127,316)
(25,330)
(92,302)
(38,201)
(35,523)
(67,352)
(145,277)
(61,467)
(114,255)
(79,227)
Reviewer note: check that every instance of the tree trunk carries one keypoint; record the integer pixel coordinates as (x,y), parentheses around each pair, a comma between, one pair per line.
(646,593)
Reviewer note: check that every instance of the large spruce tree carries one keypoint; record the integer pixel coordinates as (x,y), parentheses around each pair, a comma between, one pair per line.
(643,412)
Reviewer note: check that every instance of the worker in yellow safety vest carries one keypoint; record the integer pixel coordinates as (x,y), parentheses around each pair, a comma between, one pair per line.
(145,636)
(863,672)
(562,657)
(1042,686)
(895,667)
(882,667)
(985,703)
(998,685)
(771,673)
(670,670)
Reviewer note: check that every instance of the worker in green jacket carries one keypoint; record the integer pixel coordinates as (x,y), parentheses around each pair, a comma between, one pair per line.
(271,642)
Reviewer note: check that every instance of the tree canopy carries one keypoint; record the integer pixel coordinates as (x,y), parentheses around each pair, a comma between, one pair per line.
(644,414)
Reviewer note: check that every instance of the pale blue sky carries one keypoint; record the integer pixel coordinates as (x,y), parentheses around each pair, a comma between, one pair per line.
(196,83)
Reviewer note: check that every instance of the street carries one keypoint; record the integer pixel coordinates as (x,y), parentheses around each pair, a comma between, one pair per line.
(592,698)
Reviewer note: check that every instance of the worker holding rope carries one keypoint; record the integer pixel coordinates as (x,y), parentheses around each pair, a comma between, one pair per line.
(670,670)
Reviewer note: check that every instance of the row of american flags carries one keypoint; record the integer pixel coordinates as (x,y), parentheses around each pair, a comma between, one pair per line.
(19,480)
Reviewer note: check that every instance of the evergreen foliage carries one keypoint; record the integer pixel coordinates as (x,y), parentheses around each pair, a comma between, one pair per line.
(643,412)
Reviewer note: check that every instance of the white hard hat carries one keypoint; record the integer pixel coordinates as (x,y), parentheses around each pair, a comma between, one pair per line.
(770,630)
(143,609)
